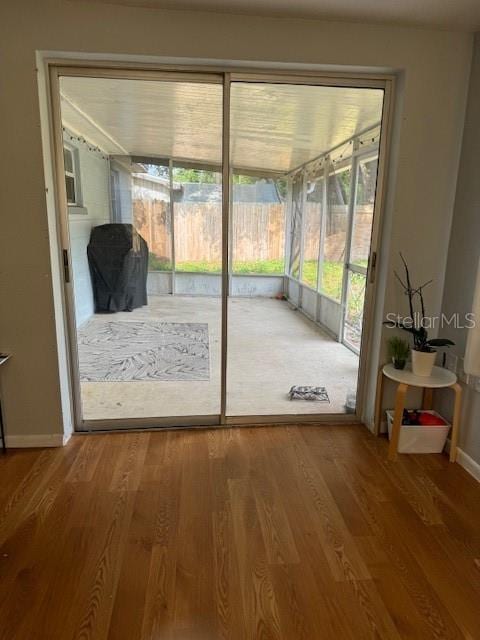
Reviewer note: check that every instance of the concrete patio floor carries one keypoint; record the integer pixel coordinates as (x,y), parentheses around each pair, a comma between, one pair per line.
(271,347)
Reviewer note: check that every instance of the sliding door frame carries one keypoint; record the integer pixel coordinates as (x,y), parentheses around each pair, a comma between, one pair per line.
(387,84)
(224,76)
(56,72)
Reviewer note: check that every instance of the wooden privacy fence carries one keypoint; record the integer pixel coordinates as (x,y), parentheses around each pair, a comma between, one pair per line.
(258,231)
(198,232)
(151,218)
(336,231)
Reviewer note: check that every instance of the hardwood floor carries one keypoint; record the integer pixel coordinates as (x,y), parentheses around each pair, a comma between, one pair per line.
(264,533)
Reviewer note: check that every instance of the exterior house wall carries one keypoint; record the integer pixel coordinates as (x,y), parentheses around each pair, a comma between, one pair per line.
(432,68)
(94,210)
(124,192)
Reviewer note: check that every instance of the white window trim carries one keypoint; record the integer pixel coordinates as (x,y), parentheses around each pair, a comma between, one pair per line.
(77,205)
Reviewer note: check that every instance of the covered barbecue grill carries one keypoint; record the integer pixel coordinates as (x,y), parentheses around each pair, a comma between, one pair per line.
(118,260)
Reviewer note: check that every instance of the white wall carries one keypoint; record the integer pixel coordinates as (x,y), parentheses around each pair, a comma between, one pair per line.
(94,210)
(434,67)
(124,192)
(463,257)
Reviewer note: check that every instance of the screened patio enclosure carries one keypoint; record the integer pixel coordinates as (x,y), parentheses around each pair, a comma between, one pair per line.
(303,173)
(304,234)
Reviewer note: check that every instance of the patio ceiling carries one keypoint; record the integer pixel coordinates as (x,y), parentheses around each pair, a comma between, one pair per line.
(275,127)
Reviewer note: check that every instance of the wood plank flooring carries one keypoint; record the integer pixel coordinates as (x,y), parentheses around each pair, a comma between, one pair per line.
(288,533)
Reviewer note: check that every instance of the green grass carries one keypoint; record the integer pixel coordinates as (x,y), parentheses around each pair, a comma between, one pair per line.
(199,267)
(158,264)
(331,281)
(356,296)
(309,275)
(272,267)
(331,285)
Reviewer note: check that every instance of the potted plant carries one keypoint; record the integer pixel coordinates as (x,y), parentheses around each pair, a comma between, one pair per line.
(398,350)
(423,352)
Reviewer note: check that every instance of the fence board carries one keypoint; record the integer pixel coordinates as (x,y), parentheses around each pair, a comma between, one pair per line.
(258,231)
(151,219)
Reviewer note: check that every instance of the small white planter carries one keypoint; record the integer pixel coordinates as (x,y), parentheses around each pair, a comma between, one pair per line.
(420,438)
(422,363)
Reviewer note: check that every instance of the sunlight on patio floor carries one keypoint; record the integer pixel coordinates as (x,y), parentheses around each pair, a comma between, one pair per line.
(271,347)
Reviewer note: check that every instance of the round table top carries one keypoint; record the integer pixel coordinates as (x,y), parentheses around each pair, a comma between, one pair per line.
(440,377)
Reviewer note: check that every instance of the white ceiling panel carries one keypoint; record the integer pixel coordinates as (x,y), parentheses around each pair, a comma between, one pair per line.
(143,117)
(280,126)
(273,126)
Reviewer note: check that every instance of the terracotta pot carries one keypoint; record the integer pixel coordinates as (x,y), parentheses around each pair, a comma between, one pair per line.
(422,362)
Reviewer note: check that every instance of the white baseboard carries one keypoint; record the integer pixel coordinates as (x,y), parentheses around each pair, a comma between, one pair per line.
(35,441)
(469,464)
(463,459)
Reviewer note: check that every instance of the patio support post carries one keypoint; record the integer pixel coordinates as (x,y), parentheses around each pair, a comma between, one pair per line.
(172,221)
(230,233)
(348,239)
(321,244)
(225,242)
(302,236)
(288,235)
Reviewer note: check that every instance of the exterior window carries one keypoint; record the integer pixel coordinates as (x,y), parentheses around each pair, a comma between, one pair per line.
(115,195)
(71,177)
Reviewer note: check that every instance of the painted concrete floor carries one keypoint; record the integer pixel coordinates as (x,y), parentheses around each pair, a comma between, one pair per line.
(271,347)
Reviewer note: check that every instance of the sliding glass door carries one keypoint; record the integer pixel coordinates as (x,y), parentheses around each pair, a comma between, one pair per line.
(142,163)
(216,234)
(303,159)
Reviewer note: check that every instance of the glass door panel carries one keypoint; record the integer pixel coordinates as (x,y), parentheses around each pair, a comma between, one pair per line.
(285,328)
(143,182)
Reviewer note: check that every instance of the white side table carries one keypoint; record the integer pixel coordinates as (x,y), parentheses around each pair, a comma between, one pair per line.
(440,378)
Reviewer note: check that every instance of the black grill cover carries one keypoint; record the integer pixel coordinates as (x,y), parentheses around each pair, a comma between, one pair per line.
(118,259)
